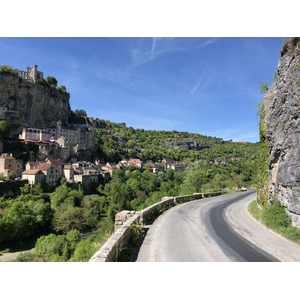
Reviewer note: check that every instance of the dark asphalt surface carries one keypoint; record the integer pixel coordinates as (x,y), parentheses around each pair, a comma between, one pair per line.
(199,231)
(231,242)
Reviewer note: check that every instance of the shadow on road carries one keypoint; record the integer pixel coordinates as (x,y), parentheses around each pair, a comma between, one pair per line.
(136,250)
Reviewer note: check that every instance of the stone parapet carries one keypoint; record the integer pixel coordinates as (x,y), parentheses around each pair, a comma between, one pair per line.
(124,220)
(112,248)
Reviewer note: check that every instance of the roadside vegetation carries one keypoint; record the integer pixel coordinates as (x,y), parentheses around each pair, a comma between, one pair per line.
(276,218)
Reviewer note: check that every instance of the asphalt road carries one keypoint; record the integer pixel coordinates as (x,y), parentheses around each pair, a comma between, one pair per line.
(217,229)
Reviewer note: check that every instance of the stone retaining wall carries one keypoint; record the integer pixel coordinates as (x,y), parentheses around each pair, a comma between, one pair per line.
(112,248)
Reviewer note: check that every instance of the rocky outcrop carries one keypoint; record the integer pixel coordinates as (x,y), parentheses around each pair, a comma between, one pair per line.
(282,106)
(27,103)
(187,144)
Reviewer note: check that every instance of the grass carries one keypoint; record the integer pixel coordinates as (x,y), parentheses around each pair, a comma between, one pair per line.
(276,218)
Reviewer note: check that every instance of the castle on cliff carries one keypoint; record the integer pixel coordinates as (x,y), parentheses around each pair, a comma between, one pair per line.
(40,113)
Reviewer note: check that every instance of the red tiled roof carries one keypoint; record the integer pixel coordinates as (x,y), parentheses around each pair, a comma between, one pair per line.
(30,172)
(134,161)
(44,166)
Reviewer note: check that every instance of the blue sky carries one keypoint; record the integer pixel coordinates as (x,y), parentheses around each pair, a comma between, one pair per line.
(200,85)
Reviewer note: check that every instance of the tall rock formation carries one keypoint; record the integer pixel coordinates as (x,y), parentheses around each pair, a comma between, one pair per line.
(27,101)
(282,106)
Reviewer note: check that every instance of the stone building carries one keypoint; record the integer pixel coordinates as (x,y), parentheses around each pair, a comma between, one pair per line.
(9,164)
(52,173)
(68,172)
(35,134)
(31,74)
(33,176)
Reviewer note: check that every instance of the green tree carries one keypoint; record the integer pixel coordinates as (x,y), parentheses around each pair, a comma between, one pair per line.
(196,175)
(11,175)
(4,129)
(80,113)
(68,217)
(263,85)
(51,80)
(7,69)
(131,144)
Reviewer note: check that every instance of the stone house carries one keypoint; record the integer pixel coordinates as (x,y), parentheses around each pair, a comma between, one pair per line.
(109,167)
(9,164)
(51,171)
(68,171)
(86,180)
(136,162)
(33,176)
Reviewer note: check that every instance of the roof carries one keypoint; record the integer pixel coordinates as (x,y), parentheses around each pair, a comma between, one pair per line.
(56,162)
(5,155)
(44,166)
(134,161)
(31,172)
(33,163)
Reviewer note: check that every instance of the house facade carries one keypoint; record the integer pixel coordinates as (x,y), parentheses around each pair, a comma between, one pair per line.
(33,176)
(9,164)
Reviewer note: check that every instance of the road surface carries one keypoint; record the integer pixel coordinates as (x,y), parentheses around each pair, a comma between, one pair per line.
(217,229)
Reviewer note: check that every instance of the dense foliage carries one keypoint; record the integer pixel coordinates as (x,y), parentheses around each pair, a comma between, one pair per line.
(8,69)
(275,217)
(263,161)
(116,141)
(51,80)
(4,129)
(35,213)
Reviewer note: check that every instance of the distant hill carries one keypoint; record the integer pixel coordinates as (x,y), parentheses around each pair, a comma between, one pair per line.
(116,140)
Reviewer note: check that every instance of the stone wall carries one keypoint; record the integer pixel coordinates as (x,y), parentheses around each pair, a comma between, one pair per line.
(282,106)
(112,248)
(12,188)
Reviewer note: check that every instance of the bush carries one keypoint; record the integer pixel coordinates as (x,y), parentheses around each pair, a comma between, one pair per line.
(7,69)
(275,215)
(51,80)
(28,257)
(4,129)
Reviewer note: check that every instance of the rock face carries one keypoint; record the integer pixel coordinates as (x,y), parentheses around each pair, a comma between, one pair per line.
(188,144)
(27,103)
(282,106)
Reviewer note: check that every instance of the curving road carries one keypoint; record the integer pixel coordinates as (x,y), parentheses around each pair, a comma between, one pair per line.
(211,230)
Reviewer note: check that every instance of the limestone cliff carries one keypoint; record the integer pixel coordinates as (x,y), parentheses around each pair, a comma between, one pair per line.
(282,106)
(27,103)
(187,144)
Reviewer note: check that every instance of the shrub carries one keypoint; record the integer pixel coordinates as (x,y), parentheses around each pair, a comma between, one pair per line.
(51,80)
(275,215)
(7,69)
(4,129)
(28,257)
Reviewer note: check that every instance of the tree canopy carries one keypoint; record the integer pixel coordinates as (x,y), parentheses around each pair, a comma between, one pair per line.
(4,129)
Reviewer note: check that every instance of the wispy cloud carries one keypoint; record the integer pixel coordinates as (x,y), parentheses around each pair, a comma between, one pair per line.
(144,51)
(147,50)
(199,81)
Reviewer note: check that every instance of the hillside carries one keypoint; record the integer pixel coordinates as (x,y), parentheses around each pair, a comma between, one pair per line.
(116,140)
